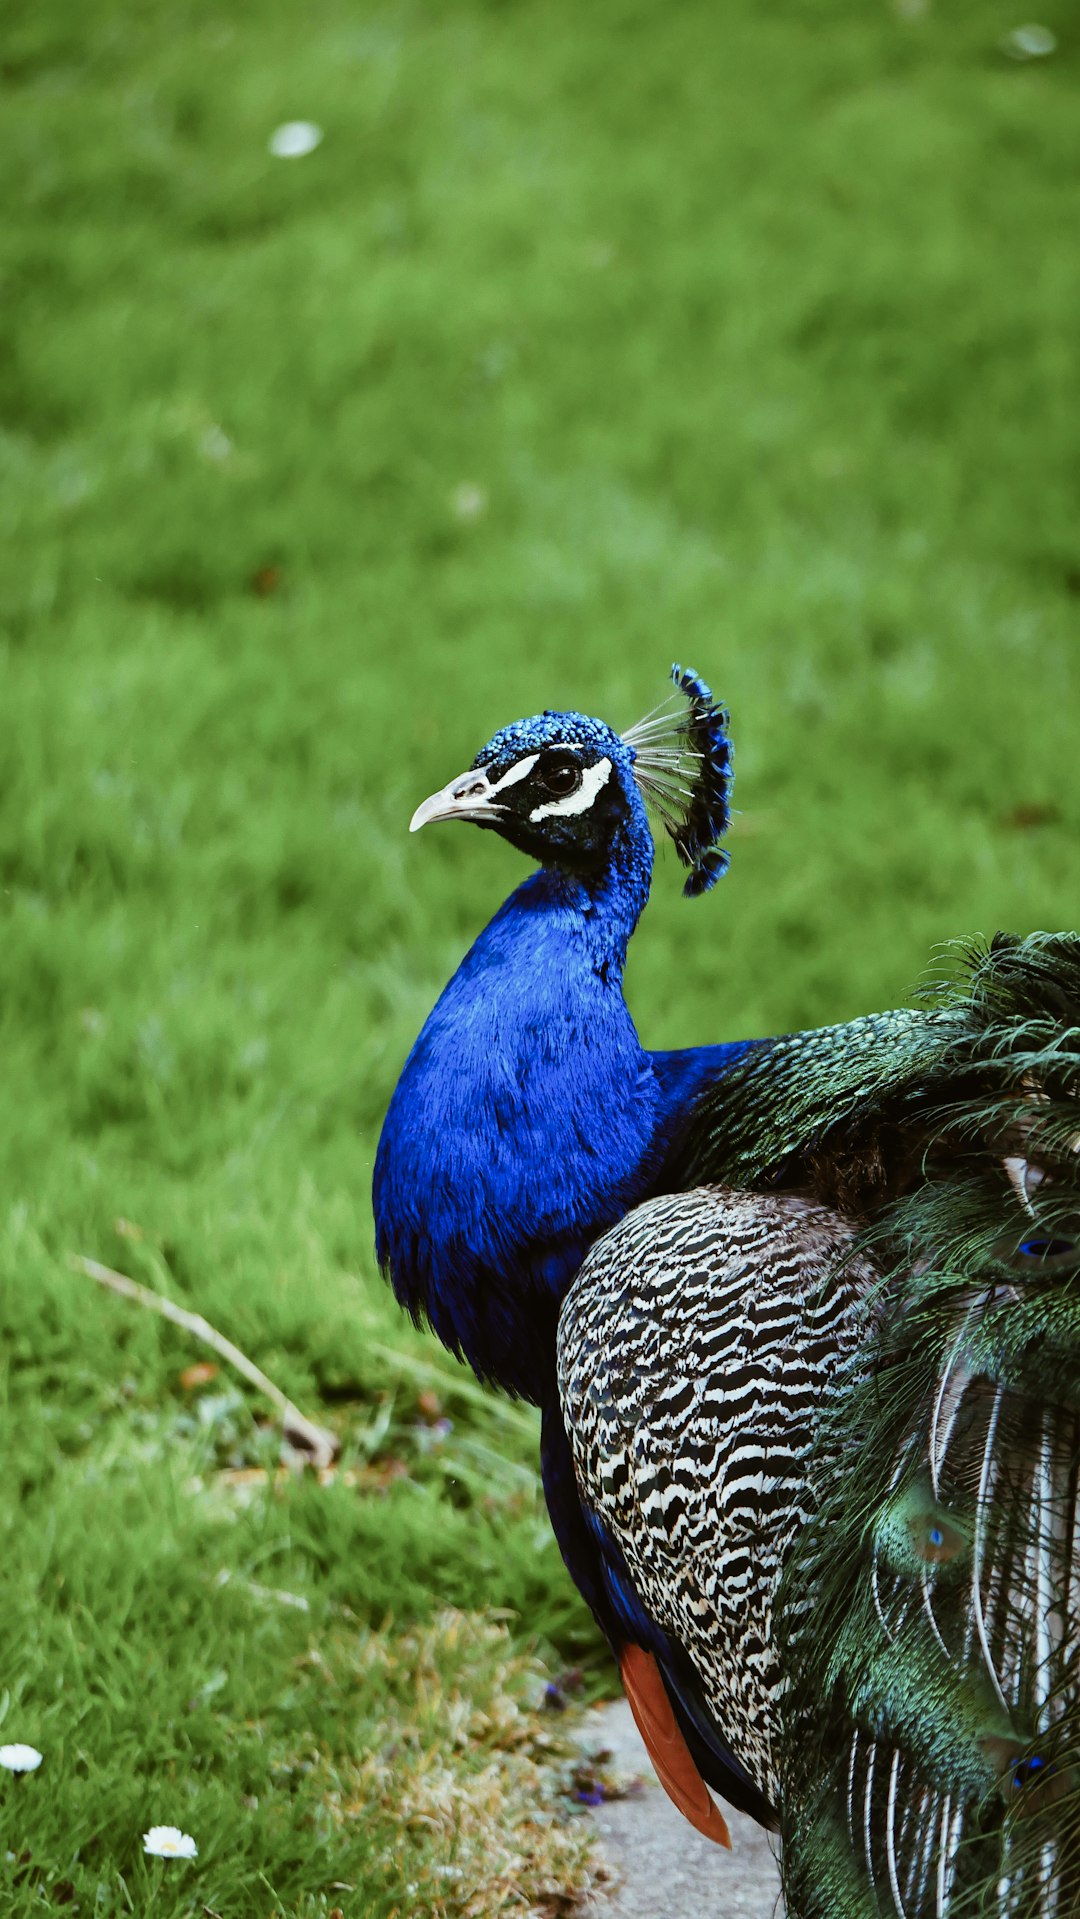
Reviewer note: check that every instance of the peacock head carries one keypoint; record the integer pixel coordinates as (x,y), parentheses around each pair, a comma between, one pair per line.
(562,787)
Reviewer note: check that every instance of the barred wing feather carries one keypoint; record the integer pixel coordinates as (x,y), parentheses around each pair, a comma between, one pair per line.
(833,1415)
(695,1350)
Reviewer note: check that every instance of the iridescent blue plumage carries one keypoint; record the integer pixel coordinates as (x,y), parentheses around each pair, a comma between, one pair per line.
(511,743)
(523,1121)
(529,1118)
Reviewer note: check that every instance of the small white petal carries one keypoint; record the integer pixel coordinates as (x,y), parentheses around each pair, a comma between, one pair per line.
(1031,42)
(168,1842)
(216,444)
(295,138)
(469,501)
(20,1758)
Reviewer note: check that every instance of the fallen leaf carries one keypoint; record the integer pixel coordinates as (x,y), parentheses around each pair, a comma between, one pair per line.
(200,1374)
(1033,813)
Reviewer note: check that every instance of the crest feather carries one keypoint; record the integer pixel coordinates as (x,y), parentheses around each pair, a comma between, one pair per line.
(682,763)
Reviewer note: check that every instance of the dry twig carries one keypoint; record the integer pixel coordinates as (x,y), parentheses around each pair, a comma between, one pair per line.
(315,1442)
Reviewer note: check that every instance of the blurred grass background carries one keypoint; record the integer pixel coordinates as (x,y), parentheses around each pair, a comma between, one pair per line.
(586,340)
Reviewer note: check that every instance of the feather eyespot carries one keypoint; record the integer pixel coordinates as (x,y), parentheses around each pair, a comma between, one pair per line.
(1046,1249)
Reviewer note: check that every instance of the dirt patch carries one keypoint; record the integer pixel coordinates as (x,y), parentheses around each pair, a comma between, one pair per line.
(661,1866)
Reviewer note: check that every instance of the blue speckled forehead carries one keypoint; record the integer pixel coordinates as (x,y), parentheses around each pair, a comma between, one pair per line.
(554,729)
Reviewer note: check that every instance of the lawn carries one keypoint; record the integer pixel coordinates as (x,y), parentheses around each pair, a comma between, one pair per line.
(587,339)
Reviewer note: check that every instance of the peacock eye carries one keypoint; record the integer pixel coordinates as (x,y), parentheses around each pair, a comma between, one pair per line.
(561,780)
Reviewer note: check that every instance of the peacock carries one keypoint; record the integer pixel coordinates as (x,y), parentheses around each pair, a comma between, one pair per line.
(802,1319)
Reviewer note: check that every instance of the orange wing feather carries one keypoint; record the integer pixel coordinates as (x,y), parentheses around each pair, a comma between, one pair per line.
(667,1748)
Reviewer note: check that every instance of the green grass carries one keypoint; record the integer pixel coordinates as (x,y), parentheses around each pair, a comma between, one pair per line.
(587,339)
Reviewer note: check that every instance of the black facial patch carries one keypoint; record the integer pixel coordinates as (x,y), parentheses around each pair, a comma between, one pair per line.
(528,806)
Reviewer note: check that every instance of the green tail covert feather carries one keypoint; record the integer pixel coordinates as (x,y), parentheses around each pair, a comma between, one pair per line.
(938,1712)
(824,1399)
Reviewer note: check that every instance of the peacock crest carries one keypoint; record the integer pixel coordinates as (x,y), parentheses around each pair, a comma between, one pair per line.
(683,766)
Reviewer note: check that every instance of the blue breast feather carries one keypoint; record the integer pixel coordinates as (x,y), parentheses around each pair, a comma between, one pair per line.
(527,1120)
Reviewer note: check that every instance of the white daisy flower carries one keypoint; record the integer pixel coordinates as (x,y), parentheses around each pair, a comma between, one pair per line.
(168,1842)
(20,1758)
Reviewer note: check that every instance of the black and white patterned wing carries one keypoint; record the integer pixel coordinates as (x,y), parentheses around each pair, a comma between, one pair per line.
(696,1349)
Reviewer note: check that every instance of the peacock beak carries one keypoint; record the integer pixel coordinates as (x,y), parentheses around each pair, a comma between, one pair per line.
(470,796)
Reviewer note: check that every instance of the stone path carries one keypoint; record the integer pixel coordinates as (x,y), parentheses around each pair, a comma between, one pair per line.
(664,1869)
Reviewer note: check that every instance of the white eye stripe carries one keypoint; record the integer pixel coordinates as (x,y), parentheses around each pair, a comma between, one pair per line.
(519,771)
(592,779)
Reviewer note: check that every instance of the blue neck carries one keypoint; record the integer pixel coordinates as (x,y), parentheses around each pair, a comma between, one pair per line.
(599,911)
(528,1119)
(522,1124)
